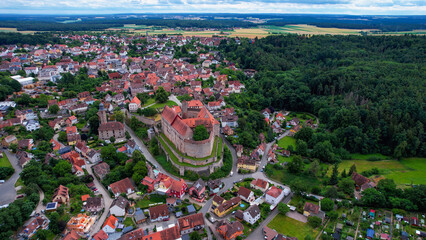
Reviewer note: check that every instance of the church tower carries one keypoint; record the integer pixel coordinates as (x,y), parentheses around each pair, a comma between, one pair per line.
(102,114)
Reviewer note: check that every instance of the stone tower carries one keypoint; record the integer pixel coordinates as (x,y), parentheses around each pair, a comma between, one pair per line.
(102,114)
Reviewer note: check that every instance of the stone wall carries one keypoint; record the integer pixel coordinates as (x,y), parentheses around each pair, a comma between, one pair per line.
(199,149)
(204,170)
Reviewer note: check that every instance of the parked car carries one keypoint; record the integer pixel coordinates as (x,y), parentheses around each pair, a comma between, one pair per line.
(2,181)
(20,196)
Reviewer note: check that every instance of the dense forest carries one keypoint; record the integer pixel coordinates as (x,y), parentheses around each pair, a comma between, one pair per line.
(7,38)
(97,25)
(368,92)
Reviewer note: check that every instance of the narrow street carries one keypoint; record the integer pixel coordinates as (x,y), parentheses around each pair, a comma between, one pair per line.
(107,202)
(7,189)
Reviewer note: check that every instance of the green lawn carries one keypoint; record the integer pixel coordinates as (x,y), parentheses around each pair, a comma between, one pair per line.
(219,148)
(81,123)
(369,156)
(4,161)
(161,105)
(150,101)
(287,178)
(406,171)
(287,141)
(290,227)
(154,198)
(128,222)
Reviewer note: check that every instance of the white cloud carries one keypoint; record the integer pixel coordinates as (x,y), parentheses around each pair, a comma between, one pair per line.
(218,6)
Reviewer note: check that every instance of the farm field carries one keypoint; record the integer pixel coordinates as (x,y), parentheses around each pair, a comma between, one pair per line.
(406,171)
(290,227)
(15,30)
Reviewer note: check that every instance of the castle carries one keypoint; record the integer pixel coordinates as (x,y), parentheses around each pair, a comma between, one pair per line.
(178,124)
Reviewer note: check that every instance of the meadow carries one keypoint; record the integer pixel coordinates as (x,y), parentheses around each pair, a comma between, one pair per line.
(403,172)
(291,227)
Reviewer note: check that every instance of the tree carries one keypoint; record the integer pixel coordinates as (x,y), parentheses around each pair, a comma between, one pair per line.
(314,168)
(295,166)
(301,147)
(194,236)
(333,215)
(352,170)
(283,208)
(314,221)
(304,134)
(161,95)
(62,137)
(324,151)
(62,168)
(331,192)
(327,204)
(373,198)
(334,175)
(94,124)
(127,135)
(112,139)
(343,174)
(298,187)
(54,109)
(347,186)
(118,116)
(200,133)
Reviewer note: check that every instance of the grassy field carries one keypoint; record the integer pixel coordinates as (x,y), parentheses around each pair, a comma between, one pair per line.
(287,141)
(290,227)
(145,202)
(149,102)
(162,105)
(4,161)
(406,171)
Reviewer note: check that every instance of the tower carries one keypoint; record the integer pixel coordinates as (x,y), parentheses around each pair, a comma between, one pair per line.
(102,114)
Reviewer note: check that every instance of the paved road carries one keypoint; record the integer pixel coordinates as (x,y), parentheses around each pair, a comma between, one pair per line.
(174,99)
(146,153)
(228,181)
(7,189)
(107,202)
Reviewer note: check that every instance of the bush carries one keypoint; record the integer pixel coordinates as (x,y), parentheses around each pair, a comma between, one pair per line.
(314,221)
(5,172)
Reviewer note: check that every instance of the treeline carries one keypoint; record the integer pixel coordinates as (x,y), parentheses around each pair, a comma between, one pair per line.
(7,38)
(406,23)
(97,25)
(368,91)
(8,85)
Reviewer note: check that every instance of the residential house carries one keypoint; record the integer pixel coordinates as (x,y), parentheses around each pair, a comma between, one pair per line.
(229,230)
(239,149)
(228,131)
(8,140)
(214,186)
(77,170)
(71,121)
(260,184)
(217,201)
(159,213)
(178,188)
(246,163)
(311,209)
(267,113)
(359,180)
(110,224)
(197,190)
(269,234)
(94,204)
(94,156)
(61,195)
(139,217)
(135,104)
(101,235)
(252,214)
(149,182)
(246,194)
(230,121)
(81,223)
(227,206)
(26,144)
(274,195)
(122,186)
(31,229)
(191,223)
(101,170)
(111,129)
(72,235)
(119,206)
(131,146)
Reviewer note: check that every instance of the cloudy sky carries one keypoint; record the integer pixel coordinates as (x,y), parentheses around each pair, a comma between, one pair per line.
(365,7)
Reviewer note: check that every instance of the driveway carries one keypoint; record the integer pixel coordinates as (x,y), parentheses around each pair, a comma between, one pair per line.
(7,189)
